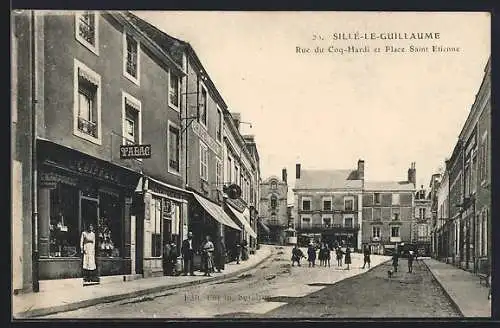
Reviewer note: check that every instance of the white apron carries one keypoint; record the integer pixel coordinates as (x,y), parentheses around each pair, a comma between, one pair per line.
(87,244)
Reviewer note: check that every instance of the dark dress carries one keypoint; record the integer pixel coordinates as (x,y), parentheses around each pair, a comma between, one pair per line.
(297,255)
(220,256)
(347,259)
(311,253)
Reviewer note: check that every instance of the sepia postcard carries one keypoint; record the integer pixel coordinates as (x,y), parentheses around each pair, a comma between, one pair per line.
(258,165)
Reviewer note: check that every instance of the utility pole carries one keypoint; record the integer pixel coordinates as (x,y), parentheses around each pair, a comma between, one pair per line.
(34,168)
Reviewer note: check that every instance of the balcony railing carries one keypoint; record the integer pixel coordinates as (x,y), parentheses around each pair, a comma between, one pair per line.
(87,127)
(307,227)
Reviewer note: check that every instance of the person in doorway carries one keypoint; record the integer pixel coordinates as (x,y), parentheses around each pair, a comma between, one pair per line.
(366,256)
(297,255)
(347,259)
(410,261)
(311,255)
(207,251)
(187,251)
(339,254)
(237,252)
(220,255)
(172,259)
(87,245)
(166,261)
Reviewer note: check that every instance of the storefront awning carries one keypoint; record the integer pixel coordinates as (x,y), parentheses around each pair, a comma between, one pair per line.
(216,212)
(243,221)
(263,226)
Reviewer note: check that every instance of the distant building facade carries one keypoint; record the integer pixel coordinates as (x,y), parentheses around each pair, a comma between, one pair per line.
(273,206)
(422,224)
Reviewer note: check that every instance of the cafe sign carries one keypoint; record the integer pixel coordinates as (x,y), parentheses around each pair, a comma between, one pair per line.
(135,151)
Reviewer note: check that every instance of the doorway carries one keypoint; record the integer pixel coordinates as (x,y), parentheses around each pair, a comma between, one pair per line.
(89,212)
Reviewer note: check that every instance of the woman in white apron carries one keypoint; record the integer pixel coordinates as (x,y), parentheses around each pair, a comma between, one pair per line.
(87,245)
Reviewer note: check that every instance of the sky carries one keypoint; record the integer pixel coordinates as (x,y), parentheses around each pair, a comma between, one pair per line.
(327,110)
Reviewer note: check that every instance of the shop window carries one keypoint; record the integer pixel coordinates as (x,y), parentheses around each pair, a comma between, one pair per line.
(86,31)
(173,148)
(174,95)
(110,233)
(64,227)
(156,248)
(131,63)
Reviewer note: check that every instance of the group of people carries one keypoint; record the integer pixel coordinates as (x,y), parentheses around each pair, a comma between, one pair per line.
(412,256)
(324,255)
(213,255)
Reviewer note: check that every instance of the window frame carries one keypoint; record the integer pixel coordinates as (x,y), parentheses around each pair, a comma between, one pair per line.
(348,217)
(326,198)
(398,199)
(376,228)
(397,229)
(175,126)
(78,65)
(93,48)
(275,198)
(347,198)
(375,201)
(138,107)
(135,80)
(305,198)
(220,125)
(203,150)
(327,217)
(205,122)
(484,158)
(302,217)
(218,173)
(153,227)
(170,104)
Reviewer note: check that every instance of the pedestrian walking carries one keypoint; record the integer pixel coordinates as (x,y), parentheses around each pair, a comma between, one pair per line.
(347,259)
(410,261)
(87,246)
(207,256)
(244,250)
(311,255)
(339,254)
(220,255)
(187,251)
(297,255)
(395,261)
(166,259)
(366,256)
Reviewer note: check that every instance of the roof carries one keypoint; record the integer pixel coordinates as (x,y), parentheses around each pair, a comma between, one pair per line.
(328,179)
(389,185)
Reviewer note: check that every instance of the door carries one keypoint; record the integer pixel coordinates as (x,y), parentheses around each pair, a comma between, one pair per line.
(89,212)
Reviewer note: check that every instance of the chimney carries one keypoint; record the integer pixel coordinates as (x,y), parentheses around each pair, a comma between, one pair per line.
(412,174)
(361,169)
(297,171)
(236,119)
(283,175)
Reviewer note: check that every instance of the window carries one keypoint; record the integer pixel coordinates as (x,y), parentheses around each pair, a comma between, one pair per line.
(394,231)
(110,228)
(376,198)
(483,159)
(395,199)
(229,170)
(422,231)
(484,233)
(236,173)
(377,214)
(155,212)
(327,204)
(202,107)
(327,221)
(87,104)
(64,229)
(306,204)
(219,124)
(274,185)
(348,204)
(395,214)
(218,174)
(376,232)
(131,113)
(174,94)
(203,161)
(473,177)
(131,60)
(173,148)
(305,221)
(86,30)
(421,212)
(274,201)
(348,222)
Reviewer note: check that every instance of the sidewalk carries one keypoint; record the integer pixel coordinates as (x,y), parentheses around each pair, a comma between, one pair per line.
(462,287)
(69,299)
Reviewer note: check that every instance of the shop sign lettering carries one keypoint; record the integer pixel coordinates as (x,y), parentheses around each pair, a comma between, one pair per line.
(203,135)
(135,151)
(94,169)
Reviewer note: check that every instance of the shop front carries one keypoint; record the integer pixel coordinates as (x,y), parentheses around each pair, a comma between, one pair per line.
(162,220)
(75,191)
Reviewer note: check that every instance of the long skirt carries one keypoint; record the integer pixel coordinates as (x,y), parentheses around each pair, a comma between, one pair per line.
(220,261)
(208,263)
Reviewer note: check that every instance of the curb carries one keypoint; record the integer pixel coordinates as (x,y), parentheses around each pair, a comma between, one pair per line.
(445,292)
(119,297)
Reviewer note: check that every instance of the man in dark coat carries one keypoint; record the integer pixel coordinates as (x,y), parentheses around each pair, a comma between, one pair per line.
(167,268)
(220,254)
(366,256)
(187,251)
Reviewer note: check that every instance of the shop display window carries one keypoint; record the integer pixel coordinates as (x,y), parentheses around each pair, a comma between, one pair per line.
(64,229)
(110,226)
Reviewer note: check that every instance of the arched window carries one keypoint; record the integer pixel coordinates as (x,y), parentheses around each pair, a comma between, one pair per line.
(274,201)
(274,185)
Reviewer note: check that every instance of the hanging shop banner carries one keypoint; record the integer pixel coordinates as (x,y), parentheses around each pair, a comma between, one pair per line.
(135,151)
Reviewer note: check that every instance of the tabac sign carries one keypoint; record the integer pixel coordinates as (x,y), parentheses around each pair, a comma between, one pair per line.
(135,151)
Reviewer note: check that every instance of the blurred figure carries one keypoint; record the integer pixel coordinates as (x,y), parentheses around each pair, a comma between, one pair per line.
(311,255)
(187,251)
(339,254)
(220,255)
(410,261)
(347,259)
(366,256)
(207,256)
(395,261)
(297,255)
